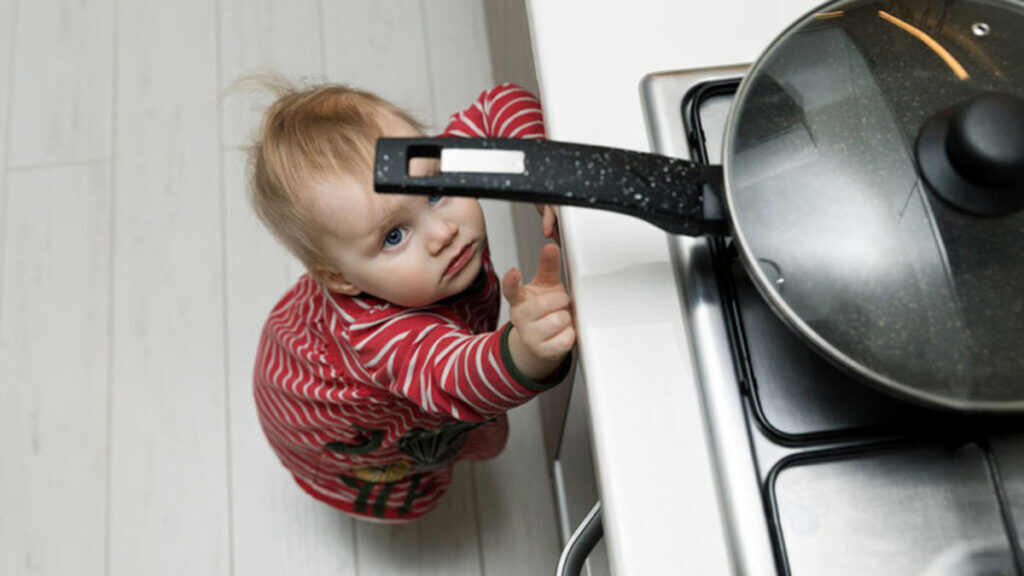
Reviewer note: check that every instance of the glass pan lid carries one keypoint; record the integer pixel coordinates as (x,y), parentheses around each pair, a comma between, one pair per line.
(833,219)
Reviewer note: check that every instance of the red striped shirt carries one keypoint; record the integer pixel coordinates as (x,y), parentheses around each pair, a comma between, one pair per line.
(361,399)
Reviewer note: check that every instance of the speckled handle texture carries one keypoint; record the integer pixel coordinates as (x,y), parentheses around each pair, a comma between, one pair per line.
(677,196)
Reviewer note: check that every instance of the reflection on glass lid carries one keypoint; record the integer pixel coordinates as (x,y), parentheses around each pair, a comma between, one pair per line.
(847,240)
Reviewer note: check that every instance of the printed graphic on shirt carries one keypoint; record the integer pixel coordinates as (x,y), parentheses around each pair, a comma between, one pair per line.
(429,449)
(366,490)
(365,445)
(388,473)
(435,448)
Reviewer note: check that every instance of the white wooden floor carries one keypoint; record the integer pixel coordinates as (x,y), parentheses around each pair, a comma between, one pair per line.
(135,280)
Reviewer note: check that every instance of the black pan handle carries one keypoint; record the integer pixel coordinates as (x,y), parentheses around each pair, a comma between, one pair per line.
(676,195)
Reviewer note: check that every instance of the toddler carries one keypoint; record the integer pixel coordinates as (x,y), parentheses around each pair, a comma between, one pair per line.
(383,366)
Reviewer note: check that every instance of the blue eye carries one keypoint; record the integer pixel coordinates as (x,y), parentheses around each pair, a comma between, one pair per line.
(394,237)
(435,199)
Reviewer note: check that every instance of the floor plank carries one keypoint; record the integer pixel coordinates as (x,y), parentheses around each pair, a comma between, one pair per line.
(54,298)
(459,57)
(169,488)
(7,24)
(54,371)
(62,81)
(380,46)
(258,37)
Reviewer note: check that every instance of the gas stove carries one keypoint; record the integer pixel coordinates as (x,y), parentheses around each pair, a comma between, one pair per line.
(817,472)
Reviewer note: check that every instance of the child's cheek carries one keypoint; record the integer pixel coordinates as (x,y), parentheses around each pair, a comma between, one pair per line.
(409,279)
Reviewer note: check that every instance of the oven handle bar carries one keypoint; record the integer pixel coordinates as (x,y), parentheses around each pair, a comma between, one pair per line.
(581,543)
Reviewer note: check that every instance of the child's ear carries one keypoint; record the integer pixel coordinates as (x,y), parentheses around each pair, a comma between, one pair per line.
(336,282)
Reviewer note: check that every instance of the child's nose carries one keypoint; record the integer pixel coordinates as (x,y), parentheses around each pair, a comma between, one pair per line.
(442,233)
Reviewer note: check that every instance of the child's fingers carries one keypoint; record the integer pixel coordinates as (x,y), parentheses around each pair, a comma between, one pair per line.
(538,334)
(549,269)
(550,302)
(552,324)
(561,343)
(511,288)
(536,306)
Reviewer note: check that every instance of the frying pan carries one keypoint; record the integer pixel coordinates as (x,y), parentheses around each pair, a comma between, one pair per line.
(872,181)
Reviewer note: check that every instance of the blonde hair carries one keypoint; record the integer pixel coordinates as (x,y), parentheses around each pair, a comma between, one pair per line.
(309,134)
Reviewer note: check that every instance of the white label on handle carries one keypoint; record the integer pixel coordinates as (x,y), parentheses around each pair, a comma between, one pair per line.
(489,161)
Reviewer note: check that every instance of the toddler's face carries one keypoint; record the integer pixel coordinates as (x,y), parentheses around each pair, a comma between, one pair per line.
(408,250)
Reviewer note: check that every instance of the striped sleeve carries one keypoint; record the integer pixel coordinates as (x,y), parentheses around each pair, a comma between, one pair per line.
(505,111)
(427,357)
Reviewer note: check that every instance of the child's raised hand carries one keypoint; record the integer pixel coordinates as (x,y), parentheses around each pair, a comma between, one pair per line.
(542,327)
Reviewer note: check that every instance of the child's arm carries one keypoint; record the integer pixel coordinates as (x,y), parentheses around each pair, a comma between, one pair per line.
(430,358)
(505,111)
(542,327)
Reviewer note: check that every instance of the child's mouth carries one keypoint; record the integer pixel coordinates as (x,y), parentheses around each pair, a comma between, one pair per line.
(460,261)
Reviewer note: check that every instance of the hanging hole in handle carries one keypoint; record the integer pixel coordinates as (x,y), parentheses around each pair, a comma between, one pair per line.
(430,160)
(423,161)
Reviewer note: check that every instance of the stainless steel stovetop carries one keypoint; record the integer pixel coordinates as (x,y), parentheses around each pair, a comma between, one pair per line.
(818,473)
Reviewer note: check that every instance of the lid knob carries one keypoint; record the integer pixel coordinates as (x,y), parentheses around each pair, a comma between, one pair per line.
(972,155)
(986,140)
